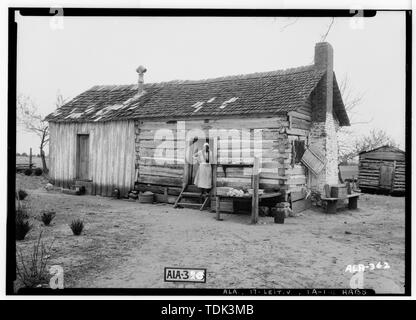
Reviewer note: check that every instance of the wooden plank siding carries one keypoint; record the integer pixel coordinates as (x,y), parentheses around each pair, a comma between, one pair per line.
(300,122)
(111,154)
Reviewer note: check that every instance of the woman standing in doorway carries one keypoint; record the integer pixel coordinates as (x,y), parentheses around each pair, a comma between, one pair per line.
(203,178)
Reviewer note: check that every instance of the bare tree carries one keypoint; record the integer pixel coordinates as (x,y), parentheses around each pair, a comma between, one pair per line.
(292,21)
(351,99)
(32,121)
(376,138)
(323,37)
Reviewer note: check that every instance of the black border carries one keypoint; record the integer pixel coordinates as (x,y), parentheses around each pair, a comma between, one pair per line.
(129,12)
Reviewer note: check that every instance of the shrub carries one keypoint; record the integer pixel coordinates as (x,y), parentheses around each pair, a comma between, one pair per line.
(22,224)
(22,213)
(32,272)
(47,217)
(28,172)
(77,225)
(22,227)
(38,171)
(21,194)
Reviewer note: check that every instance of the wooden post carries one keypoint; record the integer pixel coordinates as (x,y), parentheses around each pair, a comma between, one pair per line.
(255,197)
(187,165)
(166,196)
(214,169)
(331,206)
(30,159)
(353,203)
(393,175)
(217,207)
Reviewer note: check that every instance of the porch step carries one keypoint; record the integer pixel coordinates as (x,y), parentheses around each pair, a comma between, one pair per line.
(191,195)
(193,188)
(189,204)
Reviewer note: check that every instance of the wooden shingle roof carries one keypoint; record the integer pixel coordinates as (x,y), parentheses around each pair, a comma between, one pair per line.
(257,94)
(385,148)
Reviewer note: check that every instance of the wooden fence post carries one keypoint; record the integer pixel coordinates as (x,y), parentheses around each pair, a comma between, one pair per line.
(214,170)
(255,198)
(30,159)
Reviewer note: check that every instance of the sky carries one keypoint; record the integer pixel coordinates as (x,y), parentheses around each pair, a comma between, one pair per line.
(71,55)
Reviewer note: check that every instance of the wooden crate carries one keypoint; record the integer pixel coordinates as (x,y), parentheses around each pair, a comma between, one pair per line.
(339,191)
(225,205)
(301,205)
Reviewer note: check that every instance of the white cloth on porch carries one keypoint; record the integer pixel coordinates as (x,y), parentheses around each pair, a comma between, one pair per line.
(203,178)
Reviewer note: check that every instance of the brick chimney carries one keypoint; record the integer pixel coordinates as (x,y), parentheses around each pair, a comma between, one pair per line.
(324,59)
(323,134)
(140,87)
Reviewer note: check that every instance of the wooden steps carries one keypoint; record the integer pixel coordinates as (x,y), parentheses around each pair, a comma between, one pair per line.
(188,198)
(189,204)
(191,195)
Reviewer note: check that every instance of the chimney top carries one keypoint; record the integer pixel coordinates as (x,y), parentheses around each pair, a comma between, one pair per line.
(324,55)
(141,69)
(140,84)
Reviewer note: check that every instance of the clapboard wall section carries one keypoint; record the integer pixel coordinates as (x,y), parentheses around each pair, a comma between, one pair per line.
(111,154)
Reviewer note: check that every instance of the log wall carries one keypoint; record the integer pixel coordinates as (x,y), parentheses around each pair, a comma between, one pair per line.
(160,156)
(369,173)
(399,182)
(160,151)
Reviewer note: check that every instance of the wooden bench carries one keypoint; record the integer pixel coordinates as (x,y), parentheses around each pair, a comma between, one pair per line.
(332,202)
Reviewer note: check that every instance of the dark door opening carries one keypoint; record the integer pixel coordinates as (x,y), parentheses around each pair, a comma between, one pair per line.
(83,150)
(386,177)
(195,145)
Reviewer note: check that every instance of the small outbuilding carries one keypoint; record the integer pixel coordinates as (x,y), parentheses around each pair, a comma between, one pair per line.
(382,169)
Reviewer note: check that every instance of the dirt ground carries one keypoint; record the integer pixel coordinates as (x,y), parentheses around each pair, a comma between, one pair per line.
(128,244)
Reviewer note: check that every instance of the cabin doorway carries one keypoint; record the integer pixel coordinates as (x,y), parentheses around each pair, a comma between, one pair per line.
(386,176)
(195,145)
(83,150)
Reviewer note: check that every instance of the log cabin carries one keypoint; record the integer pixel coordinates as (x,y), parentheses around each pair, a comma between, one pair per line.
(142,136)
(382,169)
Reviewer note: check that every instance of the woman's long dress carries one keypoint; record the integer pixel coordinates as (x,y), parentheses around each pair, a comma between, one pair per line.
(203,178)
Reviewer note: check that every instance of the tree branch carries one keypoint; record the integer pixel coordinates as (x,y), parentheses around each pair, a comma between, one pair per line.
(329,29)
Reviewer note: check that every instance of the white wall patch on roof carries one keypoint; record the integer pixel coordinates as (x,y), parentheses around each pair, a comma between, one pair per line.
(99,113)
(74,115)
(129,102)
(115,107)
(198,105)
(225,103)
(89,109)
